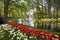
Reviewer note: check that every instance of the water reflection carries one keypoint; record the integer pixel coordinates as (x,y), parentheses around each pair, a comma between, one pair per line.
(31,22)
(28,22)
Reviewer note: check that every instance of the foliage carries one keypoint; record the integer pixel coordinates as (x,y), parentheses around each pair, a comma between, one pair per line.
(37,16)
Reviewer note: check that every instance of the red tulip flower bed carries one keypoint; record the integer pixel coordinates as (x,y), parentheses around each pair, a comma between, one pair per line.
(34,32)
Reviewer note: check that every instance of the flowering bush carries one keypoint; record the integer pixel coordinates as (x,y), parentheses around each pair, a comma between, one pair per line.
(11,32)
(8,32)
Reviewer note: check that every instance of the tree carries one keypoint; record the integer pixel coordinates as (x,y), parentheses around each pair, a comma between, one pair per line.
(6,6)
(17,4)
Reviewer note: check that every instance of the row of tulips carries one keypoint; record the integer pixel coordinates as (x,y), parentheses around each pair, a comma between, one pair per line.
(34,32)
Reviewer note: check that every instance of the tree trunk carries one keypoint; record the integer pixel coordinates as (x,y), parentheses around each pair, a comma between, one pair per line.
(6,4)
(49,8)
(0,9)
(0,12)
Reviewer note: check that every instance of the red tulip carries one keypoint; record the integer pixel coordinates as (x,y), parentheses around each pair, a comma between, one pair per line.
(14,25)
(45,34)
(29,30)
(34,32)
(39,33)
(59,37)
(50,36)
